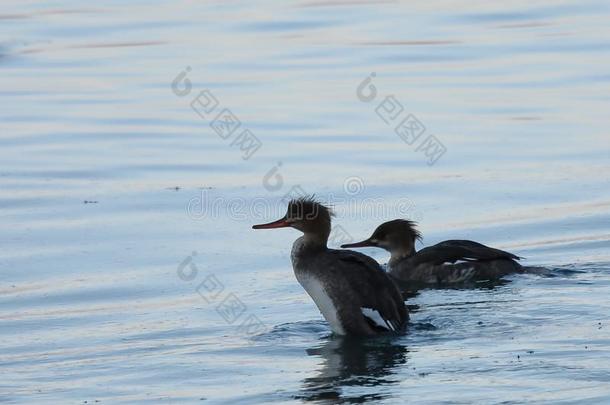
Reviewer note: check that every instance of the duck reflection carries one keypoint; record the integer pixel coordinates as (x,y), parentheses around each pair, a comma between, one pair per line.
(411,290)
(354,370)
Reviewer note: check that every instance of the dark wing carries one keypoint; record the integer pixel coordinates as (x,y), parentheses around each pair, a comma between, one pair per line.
(451,251)
(374,286)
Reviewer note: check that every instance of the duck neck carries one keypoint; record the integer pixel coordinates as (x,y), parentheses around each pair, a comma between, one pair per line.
(310,244)
(401,253)
(315,240)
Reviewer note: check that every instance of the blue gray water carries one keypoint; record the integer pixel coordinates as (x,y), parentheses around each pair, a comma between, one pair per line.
(128,269)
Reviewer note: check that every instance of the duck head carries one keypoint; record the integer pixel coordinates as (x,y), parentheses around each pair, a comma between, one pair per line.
(308,216)
(397,237)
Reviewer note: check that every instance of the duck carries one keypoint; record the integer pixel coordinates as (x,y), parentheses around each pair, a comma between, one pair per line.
(447,262)
(352,291)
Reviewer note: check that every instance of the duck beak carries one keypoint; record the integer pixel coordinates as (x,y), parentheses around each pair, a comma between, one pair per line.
(280,223)
(364,243)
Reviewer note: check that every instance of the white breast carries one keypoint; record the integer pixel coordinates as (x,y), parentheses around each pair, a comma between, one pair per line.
(316,291)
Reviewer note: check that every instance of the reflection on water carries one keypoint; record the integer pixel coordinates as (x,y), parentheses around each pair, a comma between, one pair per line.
(91,307)
(349,364)
(411,290)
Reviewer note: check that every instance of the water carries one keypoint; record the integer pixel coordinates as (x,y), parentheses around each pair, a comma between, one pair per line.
(93,307)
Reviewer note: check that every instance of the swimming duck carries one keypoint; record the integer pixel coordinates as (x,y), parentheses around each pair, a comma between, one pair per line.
(448,262)
(351,290)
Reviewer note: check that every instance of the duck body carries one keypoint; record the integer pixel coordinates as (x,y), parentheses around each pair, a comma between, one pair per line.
(351,290)
(455,261)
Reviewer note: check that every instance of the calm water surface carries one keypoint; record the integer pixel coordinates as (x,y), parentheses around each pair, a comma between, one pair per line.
(125,218)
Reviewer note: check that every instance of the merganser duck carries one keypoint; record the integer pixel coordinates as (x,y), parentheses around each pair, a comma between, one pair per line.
(351,290)
(437,264)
